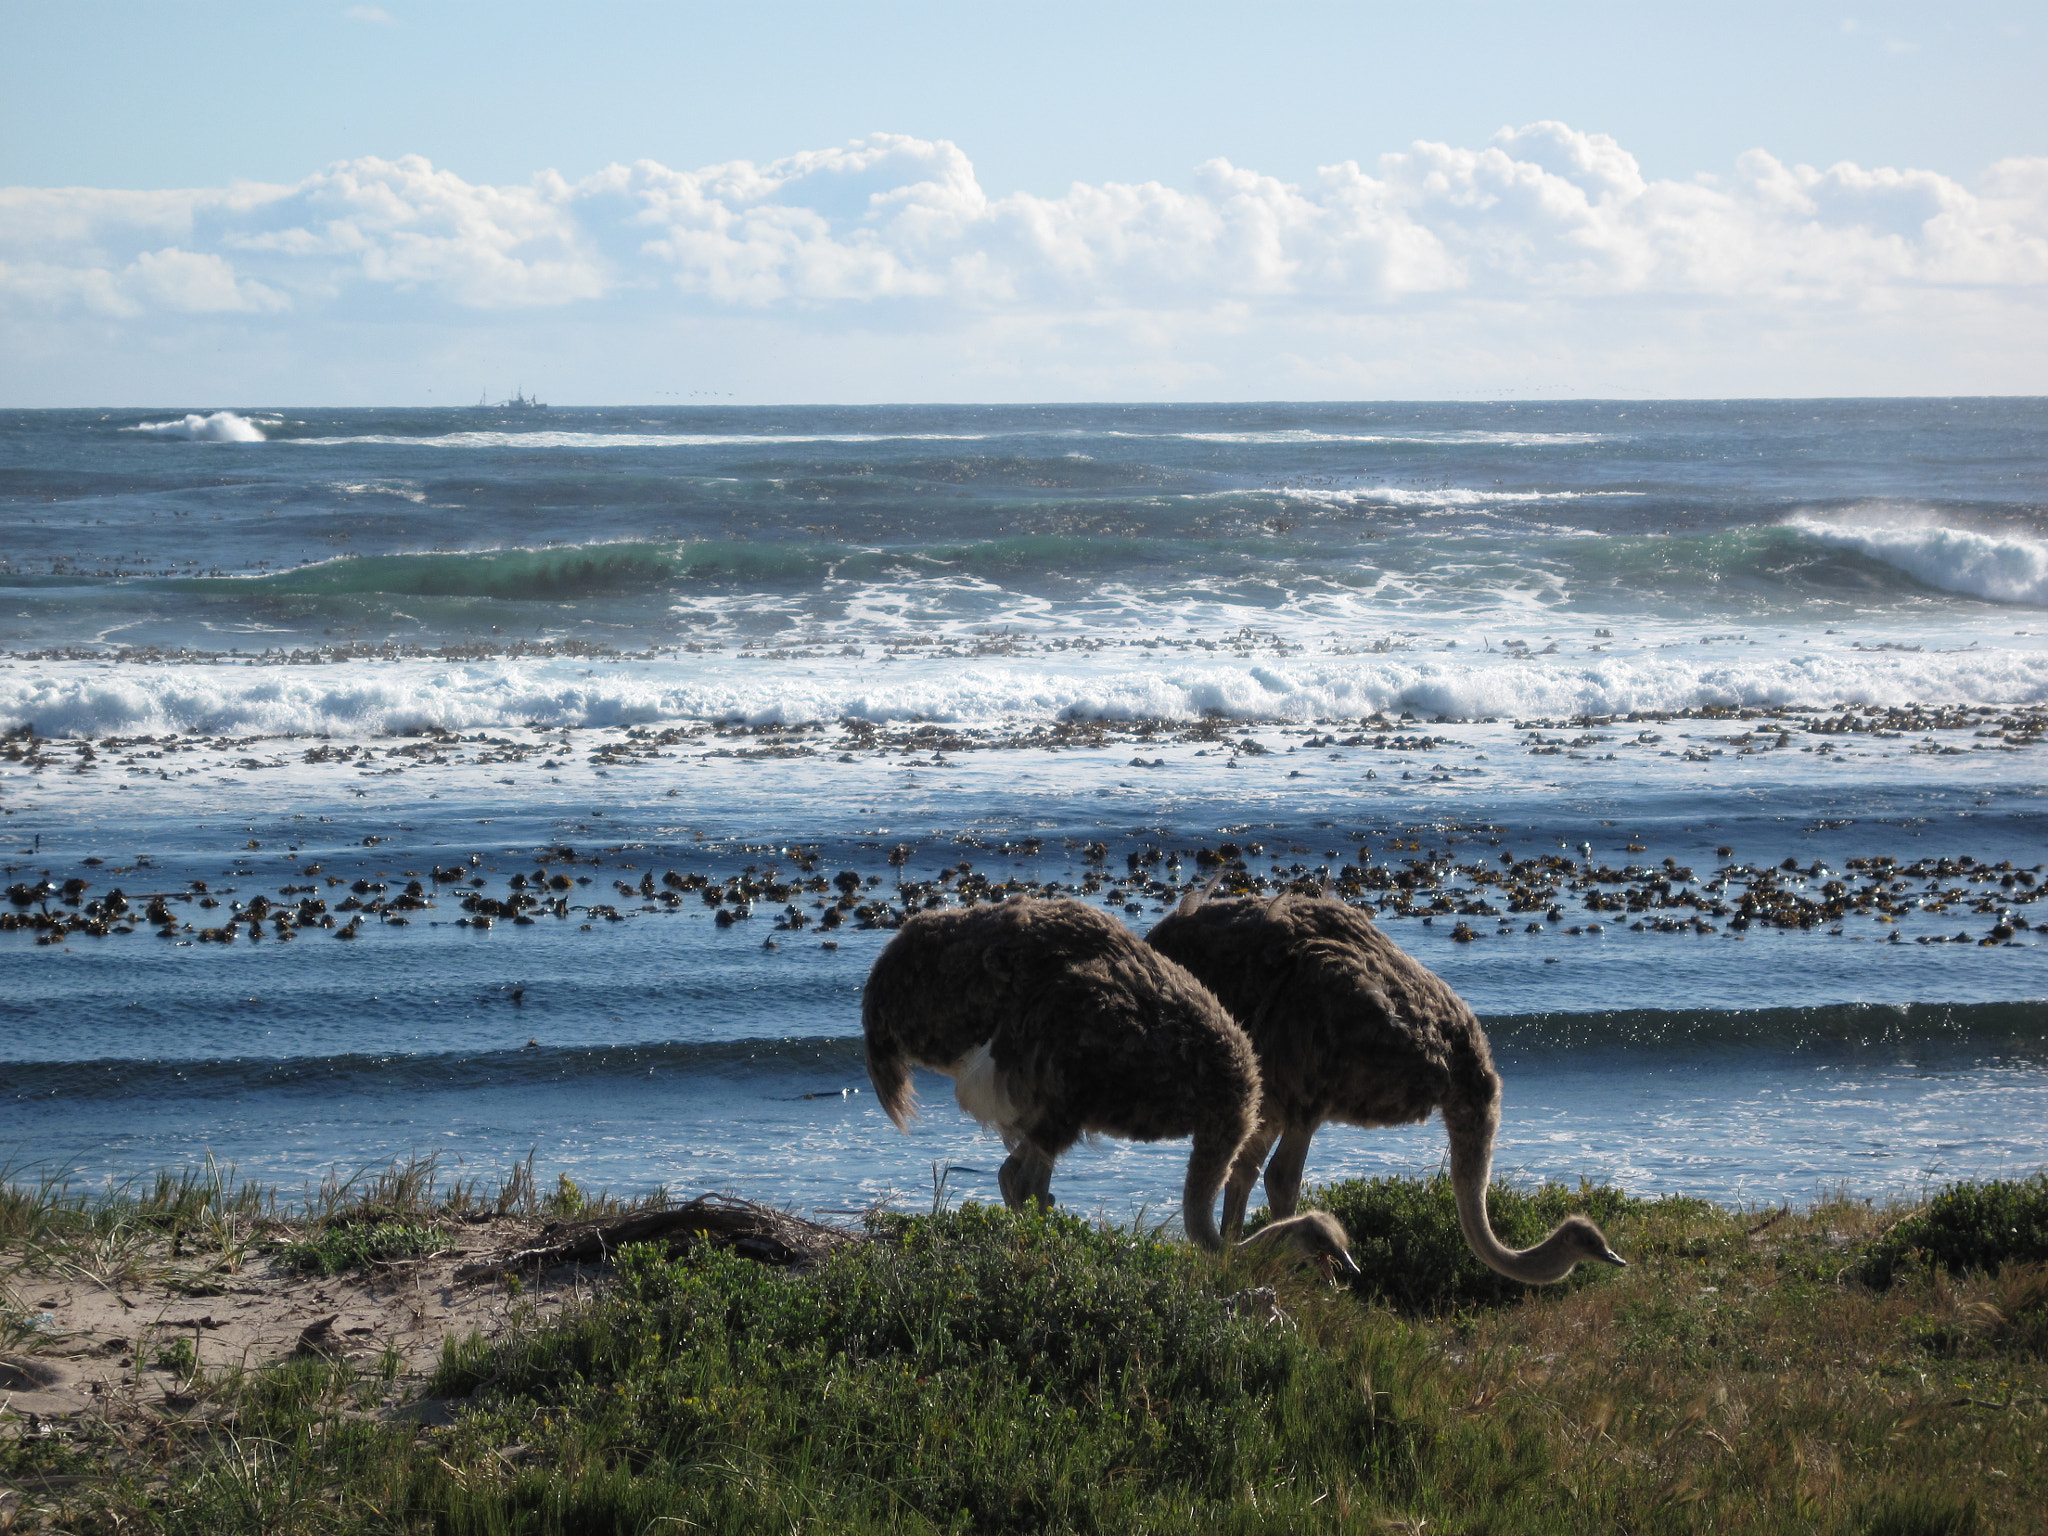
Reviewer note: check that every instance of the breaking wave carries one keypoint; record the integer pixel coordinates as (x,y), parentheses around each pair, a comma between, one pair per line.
(308,697)
(220,427)
(1447,496)
(1999,567)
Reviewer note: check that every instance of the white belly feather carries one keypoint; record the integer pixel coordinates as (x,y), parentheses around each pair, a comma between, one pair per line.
(978,1085)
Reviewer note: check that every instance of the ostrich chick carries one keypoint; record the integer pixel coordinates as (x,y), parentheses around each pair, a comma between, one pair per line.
(1313,1237)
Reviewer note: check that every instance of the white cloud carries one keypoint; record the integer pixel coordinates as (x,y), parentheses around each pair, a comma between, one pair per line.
(195,284)
(1545,229)
(375,15)
(406,226)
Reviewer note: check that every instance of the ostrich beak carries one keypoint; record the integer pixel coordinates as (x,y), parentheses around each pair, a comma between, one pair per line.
(1609,1256)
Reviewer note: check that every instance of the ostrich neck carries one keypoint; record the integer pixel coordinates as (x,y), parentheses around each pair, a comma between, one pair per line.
(1546,1262)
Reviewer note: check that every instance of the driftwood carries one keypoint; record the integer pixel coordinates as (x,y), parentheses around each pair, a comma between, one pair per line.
(756,1231)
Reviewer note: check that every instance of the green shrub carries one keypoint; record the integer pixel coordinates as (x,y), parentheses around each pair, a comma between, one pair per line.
(978,1371)
(1412,1254)
(1966,1227)
(356,1246)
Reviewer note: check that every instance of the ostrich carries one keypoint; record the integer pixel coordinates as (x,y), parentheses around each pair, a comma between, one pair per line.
(1349,1028)
(1314,1237)
(1054,1020)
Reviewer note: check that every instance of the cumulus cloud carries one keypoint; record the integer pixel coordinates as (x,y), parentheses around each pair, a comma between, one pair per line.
(1543,209)
(405,226)
(393,226)
(898,232)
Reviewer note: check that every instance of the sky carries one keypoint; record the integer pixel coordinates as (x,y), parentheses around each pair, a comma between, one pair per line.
(221,204)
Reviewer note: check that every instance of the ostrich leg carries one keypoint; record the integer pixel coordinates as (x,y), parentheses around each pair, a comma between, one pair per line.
(1283,1173)
(1026,1175)
(1244,1173)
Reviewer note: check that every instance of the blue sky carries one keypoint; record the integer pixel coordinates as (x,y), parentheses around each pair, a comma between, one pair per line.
(951,202)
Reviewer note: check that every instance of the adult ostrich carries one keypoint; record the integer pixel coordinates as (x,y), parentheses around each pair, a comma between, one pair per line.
(1349,1028)
(1054,1020)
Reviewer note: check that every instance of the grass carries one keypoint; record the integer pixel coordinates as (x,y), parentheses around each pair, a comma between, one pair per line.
(1967,1227)
(359,1245)
(184,1228)
(974,1372)
(978,1370)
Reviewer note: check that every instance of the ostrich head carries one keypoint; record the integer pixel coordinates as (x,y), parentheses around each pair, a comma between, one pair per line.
(1585,1242)
(1314,1237)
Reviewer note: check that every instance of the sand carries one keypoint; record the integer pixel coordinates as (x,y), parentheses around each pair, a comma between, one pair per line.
(100,1345)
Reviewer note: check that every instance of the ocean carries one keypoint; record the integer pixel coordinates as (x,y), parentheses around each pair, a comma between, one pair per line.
(477,783)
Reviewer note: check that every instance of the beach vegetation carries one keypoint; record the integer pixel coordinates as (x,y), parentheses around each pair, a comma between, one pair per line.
(983,1370)
(334,1249)
(1964,1228)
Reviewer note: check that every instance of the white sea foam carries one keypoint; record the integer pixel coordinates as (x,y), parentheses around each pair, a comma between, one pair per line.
(364,698)
(546,438)
(1449,439)
(523,440)
(2003,567)
(1445,496)
(403,489)
(220,427)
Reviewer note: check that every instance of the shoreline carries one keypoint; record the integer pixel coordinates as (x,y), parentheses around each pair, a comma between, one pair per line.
(453,1010)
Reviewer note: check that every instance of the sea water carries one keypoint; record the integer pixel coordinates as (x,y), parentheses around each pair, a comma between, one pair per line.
(283,651)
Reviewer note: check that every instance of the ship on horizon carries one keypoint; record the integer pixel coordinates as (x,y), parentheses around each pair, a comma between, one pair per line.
(519,402)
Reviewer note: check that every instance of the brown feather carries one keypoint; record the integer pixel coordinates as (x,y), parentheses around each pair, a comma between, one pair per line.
(1349,1028)
(1088,1029)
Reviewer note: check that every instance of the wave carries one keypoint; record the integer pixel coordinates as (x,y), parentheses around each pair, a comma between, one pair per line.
(1446,496)
(1172,564)
(220,427)
(81,699)
(2012,1028)
(585,570)
(1506,687)
(1445,439)
(831,1065)
(828,1063)
(548,439)
(2000,567)
(403,490)
(580,570)
(554,438)
(589,570)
